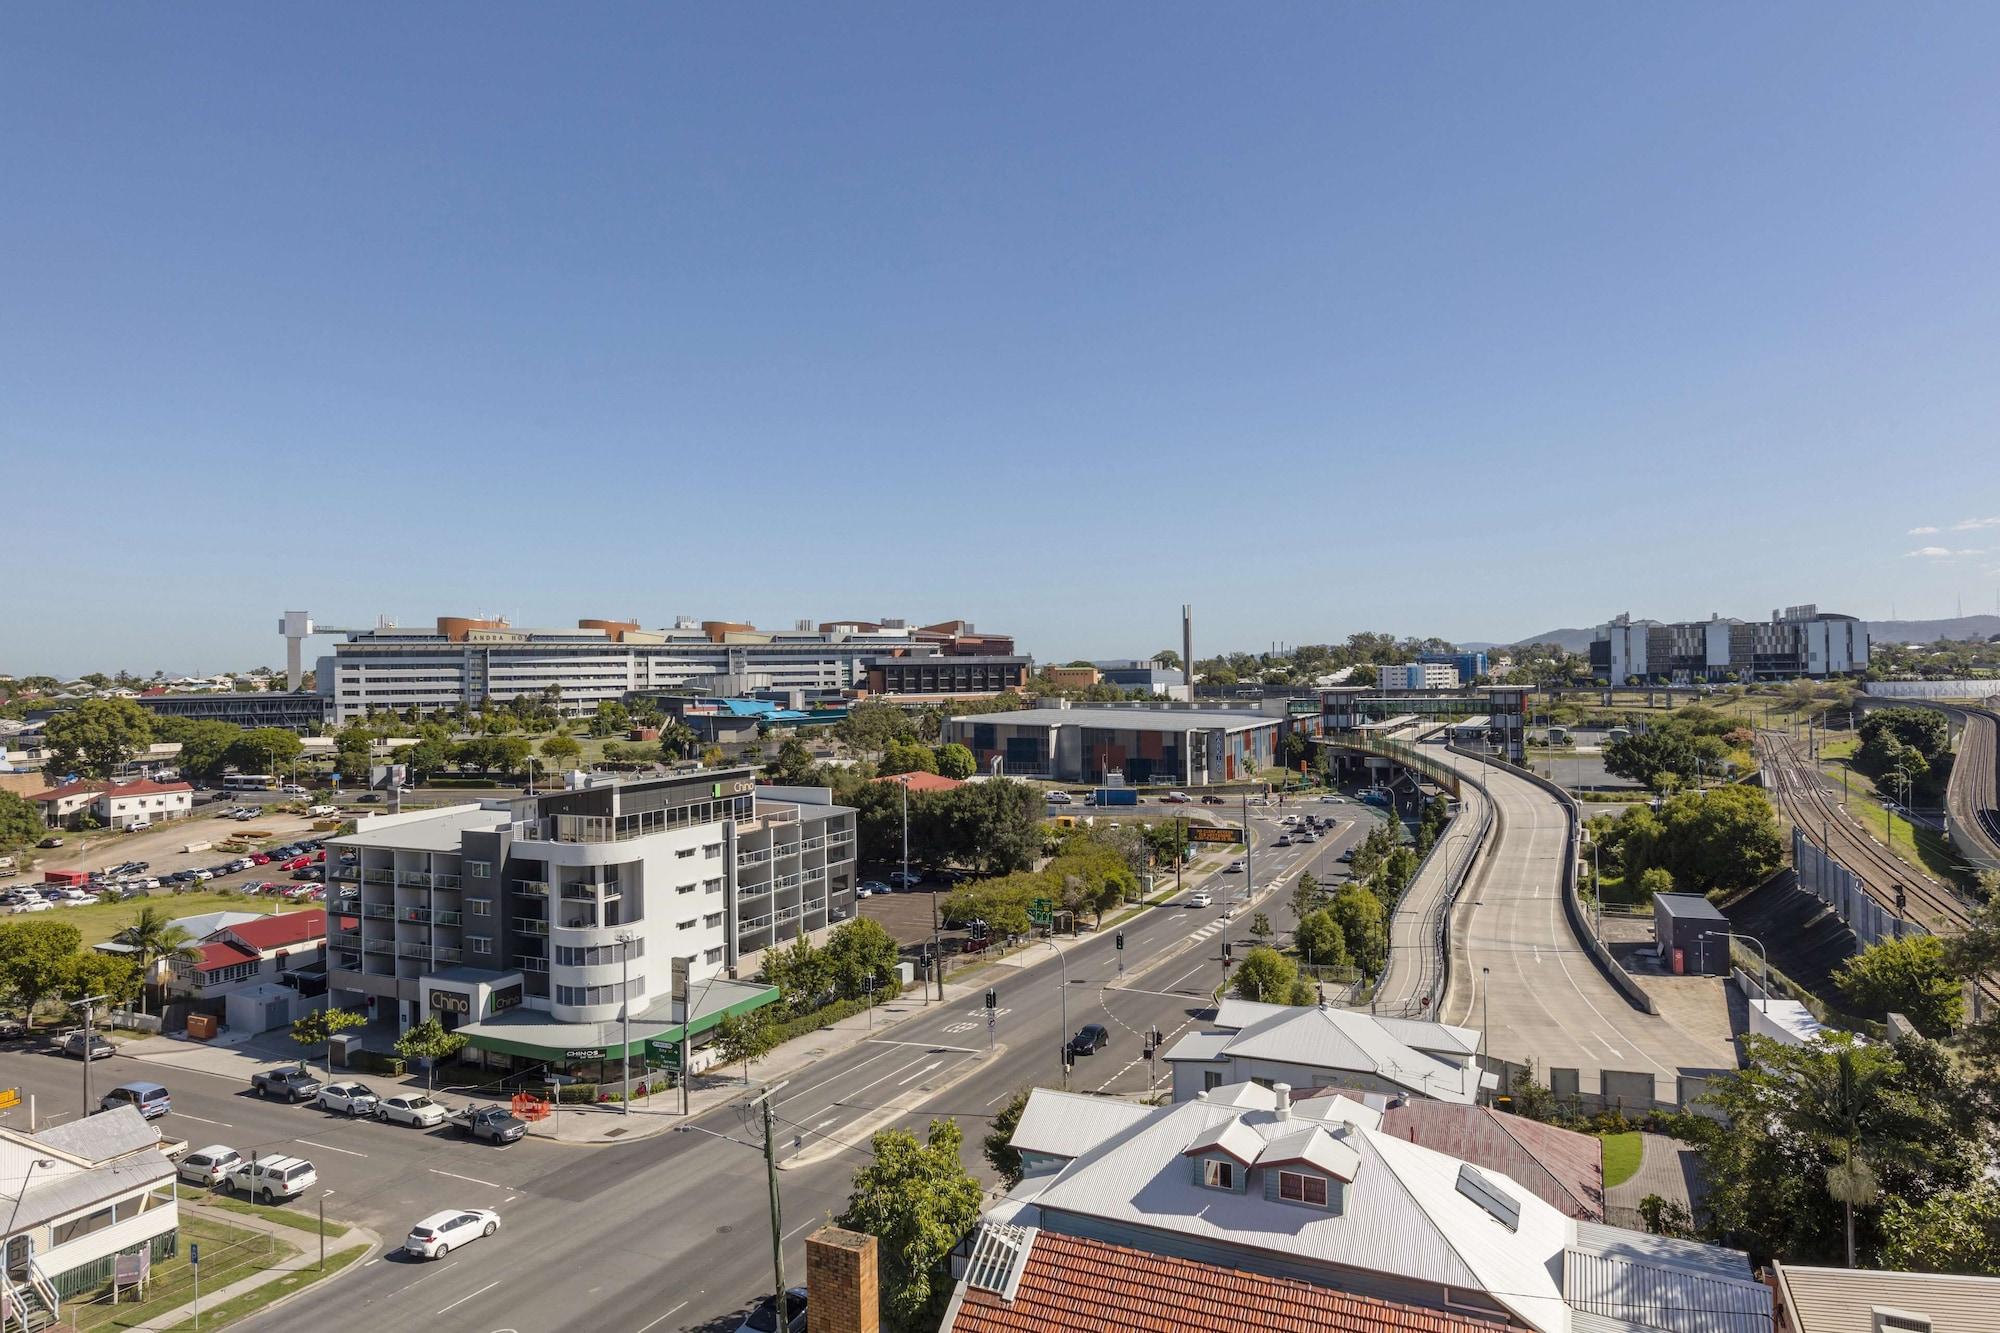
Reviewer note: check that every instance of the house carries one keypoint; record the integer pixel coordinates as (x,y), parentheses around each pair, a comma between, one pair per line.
(244,954)
(923,781)
(1562,1168)
(115,804)
(1863,1300)
(78,1197)
(1244,1178)
(1026,1280)
(1316,1047)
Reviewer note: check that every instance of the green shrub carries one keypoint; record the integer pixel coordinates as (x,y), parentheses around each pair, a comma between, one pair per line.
(573,1094)
(824,1016)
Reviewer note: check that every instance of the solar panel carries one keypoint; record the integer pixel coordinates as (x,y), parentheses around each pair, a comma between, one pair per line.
(1481,1191)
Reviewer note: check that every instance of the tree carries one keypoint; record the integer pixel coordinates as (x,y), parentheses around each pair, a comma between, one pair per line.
(320,1026)
(908,757)
(1266,975)
(870,726)
(1320,940)
(1260,926)
(677,740)
(793,765)
(1908,976)
(1363,925)
(1973,953)
(918,1201)
(354,753)
(20,823)
(95,737)
(1956,1232)
(741,1038)
(956,761)
(264,749)
(560,750)
(1654,880)
(428,1041)
(204,744)
(610,719)
(861,959)
(154,938)
(35,956)
(998,1146)
(712,757)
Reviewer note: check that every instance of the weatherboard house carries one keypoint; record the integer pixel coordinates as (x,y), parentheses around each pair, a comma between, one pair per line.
(1310,1047)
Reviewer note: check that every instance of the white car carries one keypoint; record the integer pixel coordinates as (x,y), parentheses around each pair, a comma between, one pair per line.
(269,1179)
(33,905)
(1200,898)
(411,1109)
(1234,868)
(292,789)
(1061,798)
(434,1237)
(209,1166)
(1333,800)
(1177,798)
(353,1098)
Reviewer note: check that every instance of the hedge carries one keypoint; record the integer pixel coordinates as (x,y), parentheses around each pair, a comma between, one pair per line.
(824,1016)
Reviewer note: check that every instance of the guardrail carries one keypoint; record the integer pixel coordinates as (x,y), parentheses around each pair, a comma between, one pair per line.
(1572,902)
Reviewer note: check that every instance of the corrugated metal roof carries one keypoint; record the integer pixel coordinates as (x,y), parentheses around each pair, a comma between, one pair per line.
(1229,1136)
(1314,1147)
(1069,1124)
(101,1137)
(1841,1300)
(1562,1167)
(1348,1041)
(59,1196)
(1651,1282)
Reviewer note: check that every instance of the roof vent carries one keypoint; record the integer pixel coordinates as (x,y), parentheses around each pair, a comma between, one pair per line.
(1283,1092)
(1900,1321)
(1476,1187)
(996,1261)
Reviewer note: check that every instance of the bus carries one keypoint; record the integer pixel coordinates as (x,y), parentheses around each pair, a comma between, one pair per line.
(247,782)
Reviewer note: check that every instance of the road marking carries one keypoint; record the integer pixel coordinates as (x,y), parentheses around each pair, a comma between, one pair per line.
(463,1299)
(328,1147)
(425,1278)
(224,1123)
(1163,994)
(376,1260)
(668,1315)
(919,1074)
(510,1198)
(801,1227)
(924,1045)
(473,1179)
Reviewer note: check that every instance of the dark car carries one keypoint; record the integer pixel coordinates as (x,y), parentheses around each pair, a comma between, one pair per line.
(369,798)
(12,1029)
(50,842)
(764,1317)
(1211,800)
(294,1084)
(1089,1039)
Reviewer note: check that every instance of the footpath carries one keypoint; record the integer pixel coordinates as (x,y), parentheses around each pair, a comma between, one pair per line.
(306,1260)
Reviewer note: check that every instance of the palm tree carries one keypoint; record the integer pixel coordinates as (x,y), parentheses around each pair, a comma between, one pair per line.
(156,939)
(1836,1094)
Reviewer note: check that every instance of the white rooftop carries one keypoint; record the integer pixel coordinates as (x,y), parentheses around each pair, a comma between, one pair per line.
(1409,1053)
(424,830)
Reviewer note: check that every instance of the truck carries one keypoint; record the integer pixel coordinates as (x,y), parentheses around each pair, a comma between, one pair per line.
(495,1124)
(1115,796)
(294,1084)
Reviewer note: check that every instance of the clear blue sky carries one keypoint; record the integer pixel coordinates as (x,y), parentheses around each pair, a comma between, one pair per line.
(1462,319)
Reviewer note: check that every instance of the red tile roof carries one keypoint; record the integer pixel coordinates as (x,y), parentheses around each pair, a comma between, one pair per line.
(145,787)
(277,932)
(71,789)
(223,953)
(1073,1285)
(1563,1168)
(923,781)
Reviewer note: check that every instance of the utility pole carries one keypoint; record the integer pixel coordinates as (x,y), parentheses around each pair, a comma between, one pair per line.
(777,1217)
(625,1021)
(89,1005)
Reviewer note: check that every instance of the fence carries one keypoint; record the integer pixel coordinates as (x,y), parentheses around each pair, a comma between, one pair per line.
(1628,1092)
(1821,875)
(1933,689)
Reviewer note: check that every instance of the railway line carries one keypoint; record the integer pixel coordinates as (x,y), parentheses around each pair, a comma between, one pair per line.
(1974,799)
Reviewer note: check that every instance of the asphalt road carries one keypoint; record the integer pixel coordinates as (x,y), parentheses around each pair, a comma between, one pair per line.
(672,1232)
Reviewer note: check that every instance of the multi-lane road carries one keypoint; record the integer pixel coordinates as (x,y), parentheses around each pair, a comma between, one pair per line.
(672,1232)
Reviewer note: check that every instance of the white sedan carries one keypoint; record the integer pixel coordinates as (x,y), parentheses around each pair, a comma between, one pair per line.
(434,1237)
(411,1109)
(1200,898)
(353,1098)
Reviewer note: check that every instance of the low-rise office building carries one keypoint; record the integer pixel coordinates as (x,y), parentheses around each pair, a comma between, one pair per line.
(303,711)
(573,907)
(1148,674)
(115,804)
(1469,665)
(1796,641)
(1186,745)
(941,676)
(1417,676)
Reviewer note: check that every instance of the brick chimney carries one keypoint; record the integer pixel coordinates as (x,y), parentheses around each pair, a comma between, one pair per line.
(841,1291)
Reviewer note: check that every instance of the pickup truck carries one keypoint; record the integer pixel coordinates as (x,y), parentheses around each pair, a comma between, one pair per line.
(495,1124)
(294,1084)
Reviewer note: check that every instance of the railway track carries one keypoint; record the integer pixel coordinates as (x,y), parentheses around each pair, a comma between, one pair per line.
(1975,779)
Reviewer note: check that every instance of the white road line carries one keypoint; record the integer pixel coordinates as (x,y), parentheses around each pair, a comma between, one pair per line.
(376,1260)
(801,1227)
(425,1278)
(926,1045)
(328,1147)
(919,1074)
(463,1299)
(510,1198)
(224,1123)
(473,1179)
(668,1315)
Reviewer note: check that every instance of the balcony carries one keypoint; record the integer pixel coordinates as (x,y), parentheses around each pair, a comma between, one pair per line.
(347,873)
(745,892)
(583,893)
(428,916)
(534,888)
(378,910)
(378,946)
(812,844)
(528,925)
(378,877)
(529,963)
(752,858)
(442,881)
(414,879)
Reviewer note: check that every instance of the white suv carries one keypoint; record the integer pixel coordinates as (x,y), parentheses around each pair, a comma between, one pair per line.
(269,1179)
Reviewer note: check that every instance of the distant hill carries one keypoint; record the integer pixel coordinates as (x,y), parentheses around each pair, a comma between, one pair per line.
(1573,640)
(1881,631)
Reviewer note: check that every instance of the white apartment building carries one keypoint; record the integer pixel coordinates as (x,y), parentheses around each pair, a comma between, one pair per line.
(1417,676)
(573,906)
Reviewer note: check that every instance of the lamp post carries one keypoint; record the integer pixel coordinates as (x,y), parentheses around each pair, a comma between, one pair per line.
(624,938)
(1063,995)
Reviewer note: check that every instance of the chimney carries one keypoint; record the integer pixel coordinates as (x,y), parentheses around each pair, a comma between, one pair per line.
(1284,1095)
(1187,646)
(841,1291)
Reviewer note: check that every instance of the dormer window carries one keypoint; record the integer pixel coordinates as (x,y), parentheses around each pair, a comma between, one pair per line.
(1300,1187)
(1218,1175)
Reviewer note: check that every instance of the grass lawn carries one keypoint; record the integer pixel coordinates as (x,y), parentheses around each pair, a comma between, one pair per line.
(1925,848)
(100,921)
(291,1217)
(228,1253)
(1621,1157)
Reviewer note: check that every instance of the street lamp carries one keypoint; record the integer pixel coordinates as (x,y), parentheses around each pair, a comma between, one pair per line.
(1064,997)
(624,938)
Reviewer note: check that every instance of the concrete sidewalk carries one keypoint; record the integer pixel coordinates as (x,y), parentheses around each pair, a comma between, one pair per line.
(305,1242)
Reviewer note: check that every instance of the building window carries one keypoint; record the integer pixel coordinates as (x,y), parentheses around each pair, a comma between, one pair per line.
(713,850)
(712,956)
(711,886)
(683,853)
(479,906)
(479,869)
(685,888)
(598,994)
(1210,1079)
(686,925)
(1297,1187)
(1218,1175)
(479,944)
(712,920)
(76,1227)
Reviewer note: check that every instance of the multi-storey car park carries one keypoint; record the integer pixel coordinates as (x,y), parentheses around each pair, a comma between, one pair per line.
(538,924)
(463,661)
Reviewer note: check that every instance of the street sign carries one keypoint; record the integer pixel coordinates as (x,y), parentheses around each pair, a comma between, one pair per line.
(1211,833)
(194,1254)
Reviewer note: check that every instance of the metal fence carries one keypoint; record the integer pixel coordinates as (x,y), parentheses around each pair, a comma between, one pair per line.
(1823,876)
(1933,689)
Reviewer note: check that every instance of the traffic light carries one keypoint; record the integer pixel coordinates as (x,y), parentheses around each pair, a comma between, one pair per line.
(1225,953)
(1121,939)
(1902,899)
(992,998)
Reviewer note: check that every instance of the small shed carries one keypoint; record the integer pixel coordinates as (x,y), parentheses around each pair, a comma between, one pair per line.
(1691,935)
(261,1008)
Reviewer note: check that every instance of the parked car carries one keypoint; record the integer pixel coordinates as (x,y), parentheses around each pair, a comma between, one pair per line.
(293,1084)
(148,1099)
(495,1124)
(50,842)
(209,1166)
(411,1109)
(12,1029)
(1061,798)
(173,1149)
(1200,898)
(436,1235)
(763,1317)
(1089,1039)
(269,1179)
(1234,867)
(73,1045)
(906,879)
(353,1098)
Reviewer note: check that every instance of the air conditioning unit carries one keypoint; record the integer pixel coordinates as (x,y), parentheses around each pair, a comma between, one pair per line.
(1889,1320)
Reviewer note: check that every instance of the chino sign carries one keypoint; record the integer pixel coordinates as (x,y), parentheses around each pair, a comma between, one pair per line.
(1210,833)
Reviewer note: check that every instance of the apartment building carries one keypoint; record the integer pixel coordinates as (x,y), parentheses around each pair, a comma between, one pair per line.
(574,906)
(1417,676)
(467,661)
(1796,641)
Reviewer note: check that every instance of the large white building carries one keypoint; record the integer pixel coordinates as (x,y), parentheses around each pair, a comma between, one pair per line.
(1796,641)
(466,661)
(1417,676)
(534,923)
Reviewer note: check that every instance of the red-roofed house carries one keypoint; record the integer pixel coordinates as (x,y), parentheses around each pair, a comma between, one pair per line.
(252,953)
(1068,1284)
(923,781)
(114,804)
